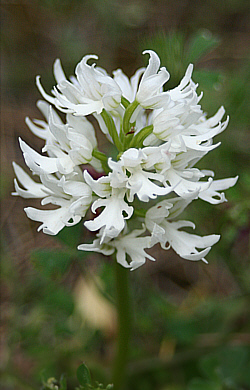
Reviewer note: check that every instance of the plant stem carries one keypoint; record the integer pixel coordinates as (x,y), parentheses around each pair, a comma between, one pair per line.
(124,326)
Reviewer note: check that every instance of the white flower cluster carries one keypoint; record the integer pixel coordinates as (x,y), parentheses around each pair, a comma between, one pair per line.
(159,136)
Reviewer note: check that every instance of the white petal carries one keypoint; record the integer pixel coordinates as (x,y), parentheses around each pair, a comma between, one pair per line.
(36,162)
(58,71)
(42,91)
(184,187)
(133,246)
(97,247)
(112,217)
(31,188)
(52,220)
(100,186)
(151,83)
(212,195)
(76,188)
(144,188)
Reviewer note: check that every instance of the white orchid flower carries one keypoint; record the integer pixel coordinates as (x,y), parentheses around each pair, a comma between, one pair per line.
(125,245)
(53,220)
(186,244)
(212,195)
(113,217)
(141,182)
(67,146)
(150,94)
(73,199)
(41,164)
(92,92)
(168,235)
(133,246)
(96,246)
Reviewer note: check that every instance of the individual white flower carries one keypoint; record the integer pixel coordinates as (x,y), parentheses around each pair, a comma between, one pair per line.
(185,244)
(168,233)
(128,173)
(67,146)
(180,174)
(42,164)
(212,195)
(73,199)
(76,135)
(187,181)
(150,94)
(126,245)
(133,246)
(166,209)
(183,117)
(97,246)
(113,217)
(92,91)
(139,181)
(197,135)
(53,220)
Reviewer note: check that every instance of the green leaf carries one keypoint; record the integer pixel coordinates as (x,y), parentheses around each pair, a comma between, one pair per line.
(201,43)
(53,264)
(83,375)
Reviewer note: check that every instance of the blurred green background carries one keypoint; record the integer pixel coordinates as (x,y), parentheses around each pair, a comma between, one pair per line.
(191,320)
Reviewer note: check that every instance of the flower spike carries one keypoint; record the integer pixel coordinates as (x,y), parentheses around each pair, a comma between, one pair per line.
(132,200)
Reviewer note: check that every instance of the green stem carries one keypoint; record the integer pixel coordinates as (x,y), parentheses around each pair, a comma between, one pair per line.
(125,102)
(127,116)
(103,158)
(111,129)
(137,141)
(140,212)
(124,326)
